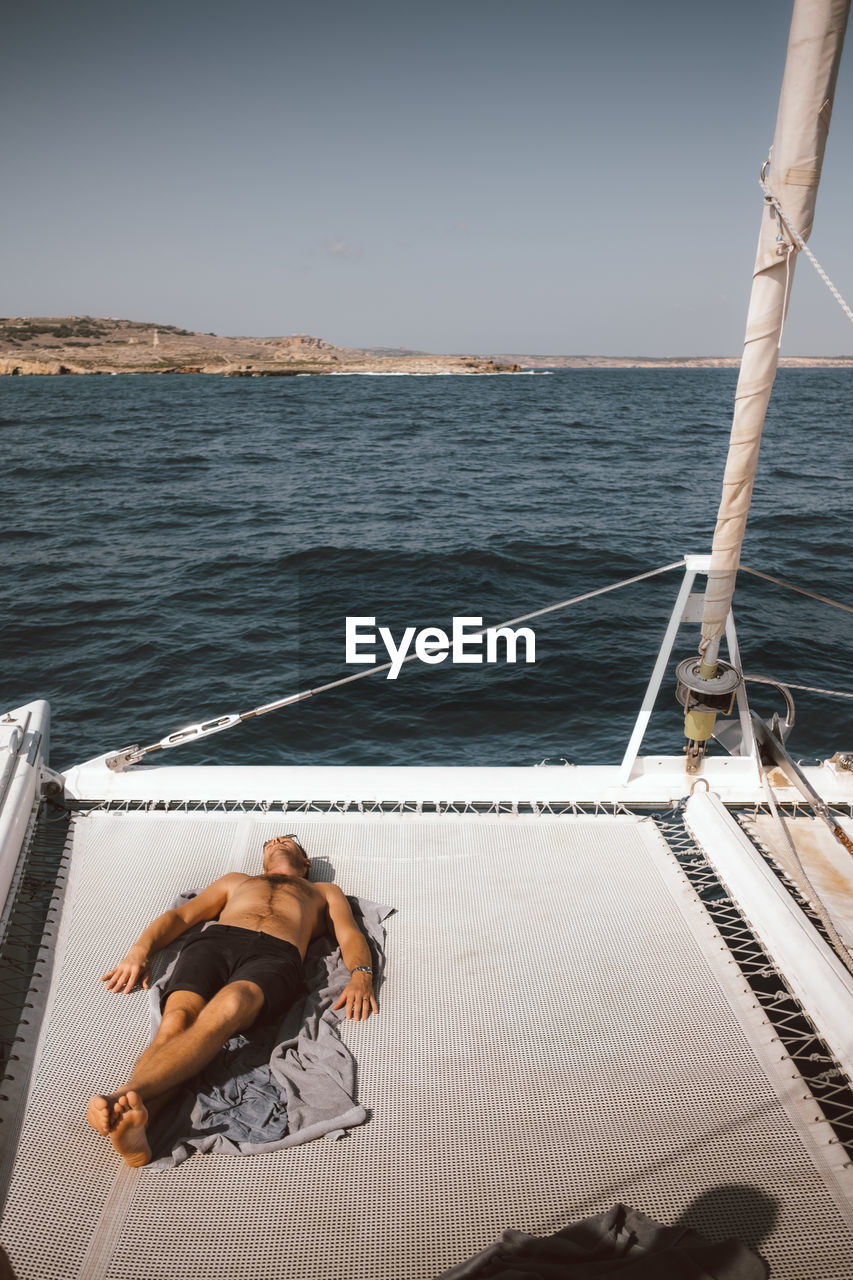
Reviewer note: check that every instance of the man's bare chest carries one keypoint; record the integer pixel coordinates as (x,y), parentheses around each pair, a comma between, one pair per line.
(277,894)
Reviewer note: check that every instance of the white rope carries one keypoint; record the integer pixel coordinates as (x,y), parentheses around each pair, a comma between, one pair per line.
(806,250)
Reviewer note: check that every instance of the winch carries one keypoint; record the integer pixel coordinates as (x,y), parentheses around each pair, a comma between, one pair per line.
(704,696)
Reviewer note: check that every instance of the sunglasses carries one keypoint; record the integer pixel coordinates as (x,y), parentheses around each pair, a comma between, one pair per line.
(290,836)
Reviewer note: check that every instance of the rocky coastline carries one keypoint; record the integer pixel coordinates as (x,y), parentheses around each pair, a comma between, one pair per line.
(56,345)
(668,362)
(85,344)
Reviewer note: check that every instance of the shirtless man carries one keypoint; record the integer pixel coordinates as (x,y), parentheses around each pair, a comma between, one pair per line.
(245,968)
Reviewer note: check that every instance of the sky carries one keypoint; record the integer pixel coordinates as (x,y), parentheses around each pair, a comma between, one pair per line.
(549,177)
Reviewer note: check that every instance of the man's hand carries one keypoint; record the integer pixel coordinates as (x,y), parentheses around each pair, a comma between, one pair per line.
(125,975)
(358,997)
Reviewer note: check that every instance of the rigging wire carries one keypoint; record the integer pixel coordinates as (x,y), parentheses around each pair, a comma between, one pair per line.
(800,876)
(780,582)
(473,635)
(803,688)
(191,733)
(813,595)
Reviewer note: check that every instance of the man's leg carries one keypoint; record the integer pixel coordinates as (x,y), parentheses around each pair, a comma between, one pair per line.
(179,1056)
(179,1012)
(171,1058)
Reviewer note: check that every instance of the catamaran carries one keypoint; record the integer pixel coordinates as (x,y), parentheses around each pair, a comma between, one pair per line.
(627,984)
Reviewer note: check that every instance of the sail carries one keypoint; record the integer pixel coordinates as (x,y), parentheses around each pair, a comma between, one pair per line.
(791,179)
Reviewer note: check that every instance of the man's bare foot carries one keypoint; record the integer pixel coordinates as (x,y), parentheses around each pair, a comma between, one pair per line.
(100,1112)
(127,1133)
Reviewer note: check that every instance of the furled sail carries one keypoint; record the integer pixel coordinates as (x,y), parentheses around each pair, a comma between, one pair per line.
(790,180)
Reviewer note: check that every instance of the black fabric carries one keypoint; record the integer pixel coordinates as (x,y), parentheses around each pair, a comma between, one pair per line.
(224,953)
(622,1243)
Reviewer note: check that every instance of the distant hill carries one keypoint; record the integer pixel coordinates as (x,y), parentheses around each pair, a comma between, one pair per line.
(665,362)
(88,344)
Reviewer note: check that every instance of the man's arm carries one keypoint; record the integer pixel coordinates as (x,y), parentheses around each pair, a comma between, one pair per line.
(357,995)
(170,925)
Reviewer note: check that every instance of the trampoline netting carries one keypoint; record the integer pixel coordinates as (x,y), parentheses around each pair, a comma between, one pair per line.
(561,1029)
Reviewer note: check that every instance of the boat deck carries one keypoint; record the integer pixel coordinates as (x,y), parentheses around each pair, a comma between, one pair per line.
(561,1029)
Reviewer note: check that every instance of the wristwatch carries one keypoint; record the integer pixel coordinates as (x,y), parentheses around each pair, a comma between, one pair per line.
(362,968)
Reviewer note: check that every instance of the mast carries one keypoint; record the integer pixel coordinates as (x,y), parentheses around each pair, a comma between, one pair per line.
(790,181)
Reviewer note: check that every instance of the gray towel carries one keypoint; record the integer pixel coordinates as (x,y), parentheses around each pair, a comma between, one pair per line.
(277,1085)
(621,1242)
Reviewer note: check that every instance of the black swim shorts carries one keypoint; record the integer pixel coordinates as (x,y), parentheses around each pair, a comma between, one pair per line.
(224,953)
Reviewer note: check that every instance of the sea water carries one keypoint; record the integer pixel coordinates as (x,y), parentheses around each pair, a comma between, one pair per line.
(181,547)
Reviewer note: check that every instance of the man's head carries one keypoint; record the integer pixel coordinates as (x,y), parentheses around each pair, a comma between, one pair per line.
(284,855)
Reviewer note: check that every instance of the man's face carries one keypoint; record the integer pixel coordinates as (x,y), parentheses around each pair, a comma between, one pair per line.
(283,855)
